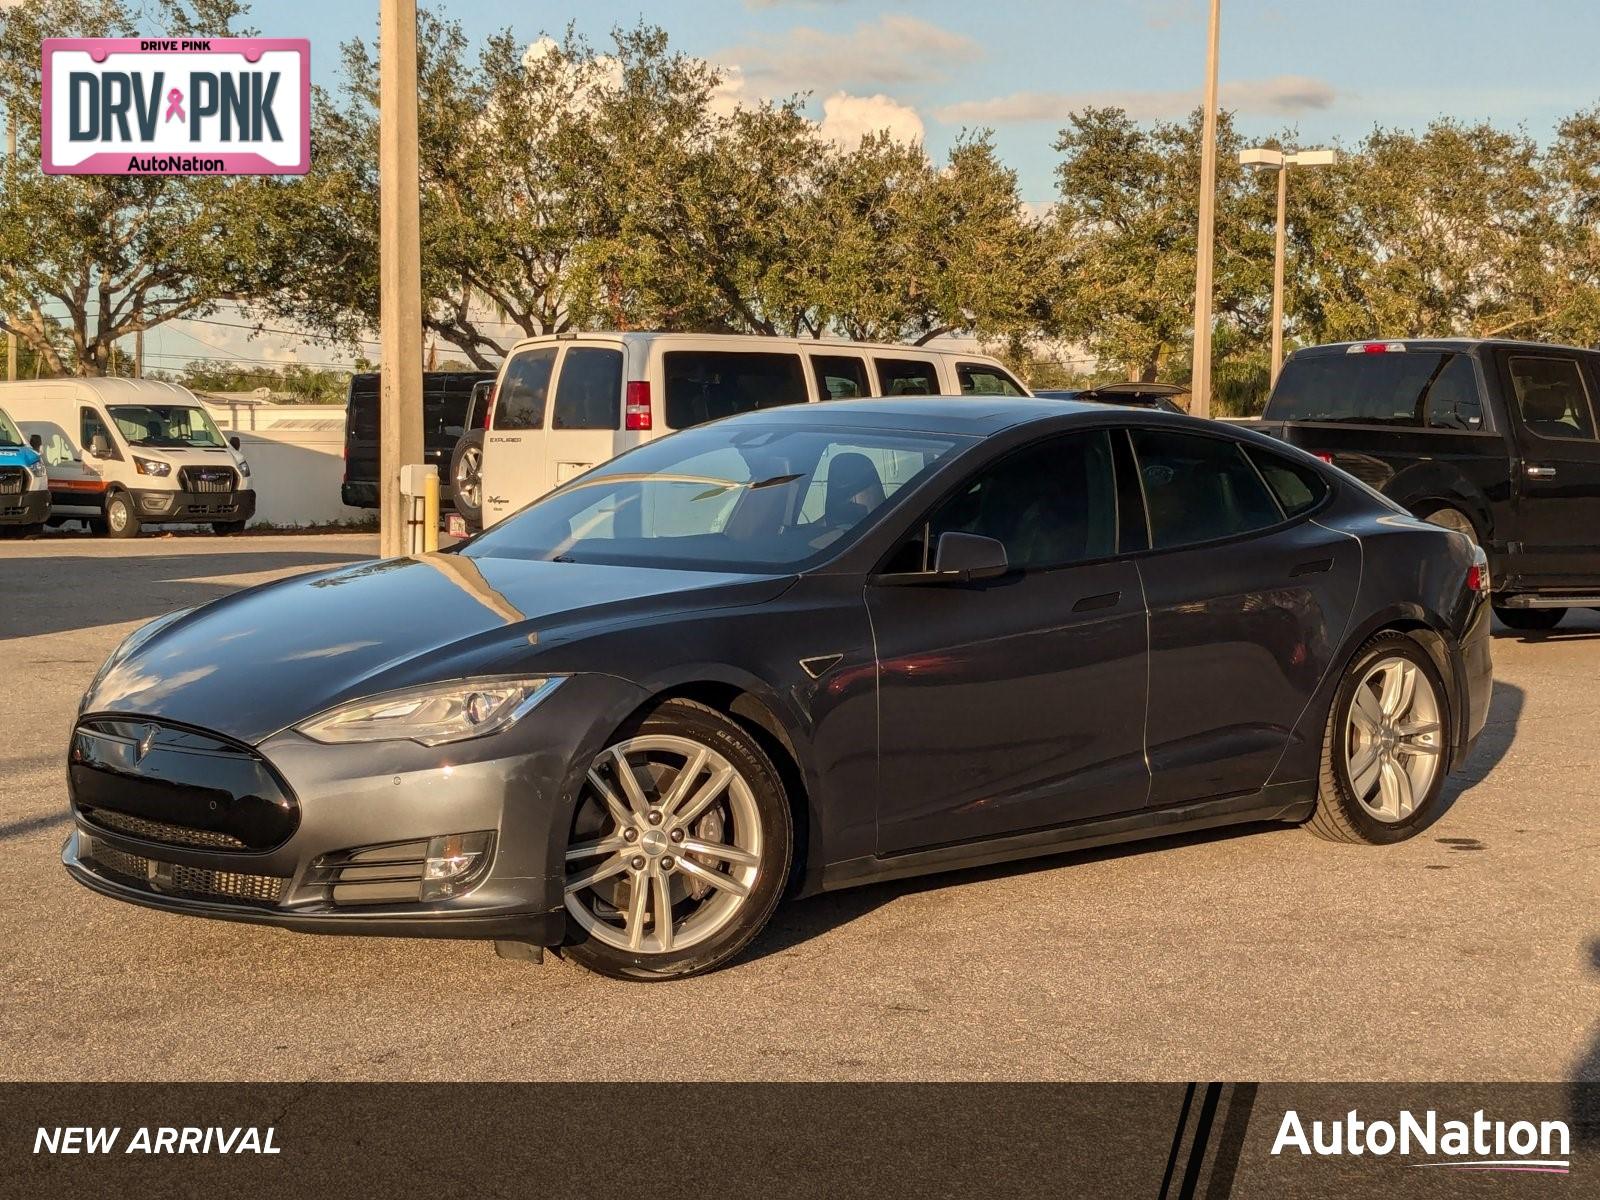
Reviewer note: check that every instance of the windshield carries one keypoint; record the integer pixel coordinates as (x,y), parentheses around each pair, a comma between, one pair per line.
(8,432)
(171,426)
(771,499)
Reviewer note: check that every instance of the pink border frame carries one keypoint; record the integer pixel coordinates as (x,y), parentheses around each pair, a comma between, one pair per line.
(234,163)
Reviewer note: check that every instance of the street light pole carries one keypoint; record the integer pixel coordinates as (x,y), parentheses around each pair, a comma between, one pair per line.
(399,267)
(1200,382)
(1266,158)
(11,337)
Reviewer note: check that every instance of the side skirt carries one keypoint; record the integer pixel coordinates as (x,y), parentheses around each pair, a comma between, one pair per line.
(1284,802)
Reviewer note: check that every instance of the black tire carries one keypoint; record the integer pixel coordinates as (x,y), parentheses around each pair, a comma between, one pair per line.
(1449,517)
(466,478)
(1339,815)
(96,525)
(122,518)
(1530,620)
(227,528)
(704,726)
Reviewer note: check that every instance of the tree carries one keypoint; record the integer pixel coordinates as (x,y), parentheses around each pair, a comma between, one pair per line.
(86,260)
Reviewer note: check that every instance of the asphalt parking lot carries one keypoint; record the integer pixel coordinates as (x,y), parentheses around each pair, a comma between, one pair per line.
(1470,952)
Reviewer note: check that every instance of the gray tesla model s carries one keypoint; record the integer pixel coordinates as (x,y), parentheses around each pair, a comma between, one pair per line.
(795,650)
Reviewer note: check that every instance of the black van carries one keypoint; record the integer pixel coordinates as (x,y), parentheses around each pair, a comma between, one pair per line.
(444,417)
(1496,439)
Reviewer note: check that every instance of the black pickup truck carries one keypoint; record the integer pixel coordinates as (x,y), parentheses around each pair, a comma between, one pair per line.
(445,396)
(1494,438)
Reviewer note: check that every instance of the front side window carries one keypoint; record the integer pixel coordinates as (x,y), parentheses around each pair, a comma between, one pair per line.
(906,377)
(589,389)
(1049,505)
(840,376)
(89,426)
(1363,389)
(706,385)
(1453,400)
(166,426)
(1551,397)
(981,379)
(769,499)
(1199,489)
(524,390)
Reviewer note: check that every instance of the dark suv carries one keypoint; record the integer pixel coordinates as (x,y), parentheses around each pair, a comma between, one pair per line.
(445,395)
(1494,438)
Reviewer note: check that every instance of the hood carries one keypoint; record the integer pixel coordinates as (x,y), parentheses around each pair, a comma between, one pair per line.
(265,658)
(18,456)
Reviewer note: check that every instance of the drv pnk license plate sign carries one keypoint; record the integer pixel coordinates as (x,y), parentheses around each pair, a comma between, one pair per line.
(176,106)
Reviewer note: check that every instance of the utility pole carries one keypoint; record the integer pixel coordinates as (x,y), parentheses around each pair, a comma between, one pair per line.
(1266,158)
(399,266)
(138,351)
(1200,383)
(11,338)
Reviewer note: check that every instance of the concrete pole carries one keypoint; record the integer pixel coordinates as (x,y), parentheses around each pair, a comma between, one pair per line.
(1277,271)
(138,352)
(399,266)
(1200,385)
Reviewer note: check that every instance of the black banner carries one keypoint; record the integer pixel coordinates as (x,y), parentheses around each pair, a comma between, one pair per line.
(1167,1141)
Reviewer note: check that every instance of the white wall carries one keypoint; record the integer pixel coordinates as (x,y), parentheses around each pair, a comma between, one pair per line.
(297,474)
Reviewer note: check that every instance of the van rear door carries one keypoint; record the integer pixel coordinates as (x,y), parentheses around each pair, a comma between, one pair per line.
(586,413)
(514,444)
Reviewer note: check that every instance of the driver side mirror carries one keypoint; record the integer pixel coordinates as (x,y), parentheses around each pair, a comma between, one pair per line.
(958,558)
(99,446)
(36,442)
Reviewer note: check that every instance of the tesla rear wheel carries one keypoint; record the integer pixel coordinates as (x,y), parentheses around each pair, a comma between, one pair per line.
(679,850)
(1386,746)
(1530,620)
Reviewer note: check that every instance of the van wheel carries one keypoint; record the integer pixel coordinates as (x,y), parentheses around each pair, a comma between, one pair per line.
(121,520)
(1530,620)
(466,477)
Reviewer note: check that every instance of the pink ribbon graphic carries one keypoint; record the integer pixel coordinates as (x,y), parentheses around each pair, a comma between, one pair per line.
(175,105)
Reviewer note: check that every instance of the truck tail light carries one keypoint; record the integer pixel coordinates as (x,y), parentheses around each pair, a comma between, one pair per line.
(1323,455)
(636,411)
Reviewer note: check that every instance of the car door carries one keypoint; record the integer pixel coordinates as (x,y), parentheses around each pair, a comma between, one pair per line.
(1552,396)
(1248,600)
(80,482)
(1014,703)
(514,470)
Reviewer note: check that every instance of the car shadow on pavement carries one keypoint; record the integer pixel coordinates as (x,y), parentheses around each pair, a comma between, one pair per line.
(796,923)
(61,593)
(1585,1079)
(1579,624)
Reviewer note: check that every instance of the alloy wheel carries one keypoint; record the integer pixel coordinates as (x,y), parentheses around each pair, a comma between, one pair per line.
(469,476)
(671,845)
(1393,739)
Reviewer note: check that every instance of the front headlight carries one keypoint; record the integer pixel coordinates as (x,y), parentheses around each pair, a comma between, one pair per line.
(244,469)
(151,466)
(433,715)
(39,478)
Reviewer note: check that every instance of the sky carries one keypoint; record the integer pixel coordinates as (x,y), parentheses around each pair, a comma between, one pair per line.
(1327,71)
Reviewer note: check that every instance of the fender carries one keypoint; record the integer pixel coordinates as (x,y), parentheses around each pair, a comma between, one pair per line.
(1426,486)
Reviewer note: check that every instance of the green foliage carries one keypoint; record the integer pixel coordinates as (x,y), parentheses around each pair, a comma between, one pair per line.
(290,383)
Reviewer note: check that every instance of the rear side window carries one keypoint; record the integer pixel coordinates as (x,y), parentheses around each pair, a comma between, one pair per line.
(840,376)
(1367,389)
(906,377)
(589,389)
(1297,487)
(1551,397)
(982,379)
(524,390)
(705,385)
(1199,489)
(362,411)
(1453,400)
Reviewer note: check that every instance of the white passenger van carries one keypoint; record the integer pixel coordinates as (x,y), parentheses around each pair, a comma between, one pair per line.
(123,453)
(564,403)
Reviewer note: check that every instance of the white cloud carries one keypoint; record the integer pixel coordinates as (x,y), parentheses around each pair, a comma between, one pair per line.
(846,119)
(1282,95)
(894,49)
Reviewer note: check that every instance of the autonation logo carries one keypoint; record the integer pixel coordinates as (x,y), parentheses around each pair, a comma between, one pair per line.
(1478,1144)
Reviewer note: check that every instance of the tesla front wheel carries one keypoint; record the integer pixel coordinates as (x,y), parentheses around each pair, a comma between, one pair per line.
(680,847)
(1386,746)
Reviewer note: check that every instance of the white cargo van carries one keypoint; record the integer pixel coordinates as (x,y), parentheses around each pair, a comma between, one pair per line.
(123,453)
(564,403)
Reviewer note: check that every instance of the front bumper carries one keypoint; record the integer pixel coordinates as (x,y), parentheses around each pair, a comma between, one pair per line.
(175,802)
(25,508)
(161,507)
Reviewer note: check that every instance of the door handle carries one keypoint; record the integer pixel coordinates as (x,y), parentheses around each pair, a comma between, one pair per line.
(1541,472)
(1104,600)
(1314,567)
